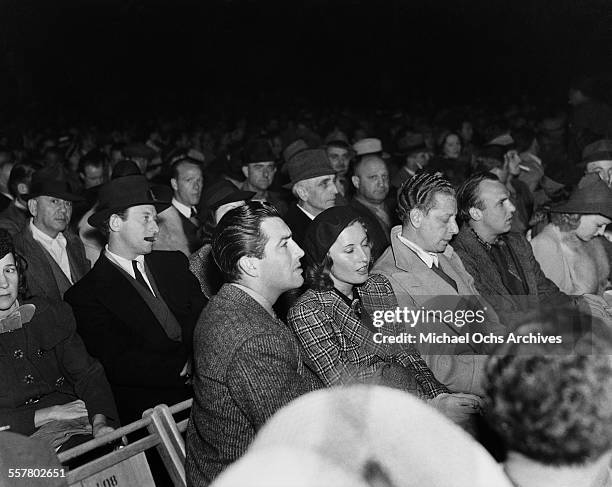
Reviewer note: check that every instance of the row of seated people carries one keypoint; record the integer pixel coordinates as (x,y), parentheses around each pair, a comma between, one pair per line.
(136,309)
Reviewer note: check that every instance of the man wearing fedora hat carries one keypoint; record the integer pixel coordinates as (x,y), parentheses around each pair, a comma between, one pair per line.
(259,168)
(415,155)
(597,158)
(313,184)
(136,309)
(56,257)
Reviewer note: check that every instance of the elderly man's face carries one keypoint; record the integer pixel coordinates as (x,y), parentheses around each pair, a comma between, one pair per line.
(372,180)
(188,184)
(603,170)
(50,215)
(339,159)
(438,226)
(260,174)
(321,193)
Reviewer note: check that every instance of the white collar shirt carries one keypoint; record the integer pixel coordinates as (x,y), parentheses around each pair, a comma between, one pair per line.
(182,209)
(126,265)
(429,258)
(55,246)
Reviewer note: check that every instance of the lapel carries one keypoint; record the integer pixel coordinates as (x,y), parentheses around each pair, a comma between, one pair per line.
(38,265)
(78,268)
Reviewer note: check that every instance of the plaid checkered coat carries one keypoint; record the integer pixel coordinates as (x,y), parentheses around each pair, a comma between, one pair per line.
(341,350)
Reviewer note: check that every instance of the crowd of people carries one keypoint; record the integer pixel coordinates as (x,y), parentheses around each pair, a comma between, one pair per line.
(247,264)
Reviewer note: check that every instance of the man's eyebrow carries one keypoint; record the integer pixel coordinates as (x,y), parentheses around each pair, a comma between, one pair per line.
(284,237)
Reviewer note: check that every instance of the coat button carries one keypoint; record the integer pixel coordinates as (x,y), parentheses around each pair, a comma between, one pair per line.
(59,381)
(18,353)
(40,352)
(28,379)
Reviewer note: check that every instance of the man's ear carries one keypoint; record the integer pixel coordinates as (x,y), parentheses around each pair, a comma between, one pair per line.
(416,217)
(355,181)
(301,192)
(245,171)
(173,184)
(33,206)
(475,213)
(248,266)
(114,222)
(609,181)
(22,188)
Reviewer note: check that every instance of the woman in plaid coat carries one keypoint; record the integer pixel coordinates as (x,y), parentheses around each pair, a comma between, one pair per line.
(334,321)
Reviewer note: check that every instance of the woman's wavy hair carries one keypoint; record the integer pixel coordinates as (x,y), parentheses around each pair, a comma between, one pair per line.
(317,276)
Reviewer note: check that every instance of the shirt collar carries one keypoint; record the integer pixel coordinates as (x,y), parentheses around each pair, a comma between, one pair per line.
(486,245)
(429,258)
(122,261)
(183,209)
(44,238)
(308,214)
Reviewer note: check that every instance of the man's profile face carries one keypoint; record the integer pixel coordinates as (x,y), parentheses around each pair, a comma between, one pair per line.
(498,209)
(322,192)
(50,215)
(372,180)
(590,226)
(339,159)
(603,170)
(280,265)
(138,232)
(92,176)
(188,184)
(260,174)
(439,225)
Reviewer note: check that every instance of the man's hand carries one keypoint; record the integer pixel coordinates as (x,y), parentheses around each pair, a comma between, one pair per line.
(70,410)
(458,407)
(99,426)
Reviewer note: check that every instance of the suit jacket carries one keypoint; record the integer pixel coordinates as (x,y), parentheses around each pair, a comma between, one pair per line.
(510,308)
(341,350)
(13,219)
(43,276)
(247,366)
(118,327)
(378,236)
(418,286)
(298,222)
(44,363)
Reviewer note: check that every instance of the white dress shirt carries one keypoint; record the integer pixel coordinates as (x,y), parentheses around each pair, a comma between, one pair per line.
(182,209)
(309,215)
(429,258)
(55,246)
(126,265)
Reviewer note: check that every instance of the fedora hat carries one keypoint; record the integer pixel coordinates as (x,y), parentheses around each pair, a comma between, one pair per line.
(369,145)
(258,150)
(591,197)
(600,150)
(308,164)
(292,149)
(223,192)
(41,185)
(122,193)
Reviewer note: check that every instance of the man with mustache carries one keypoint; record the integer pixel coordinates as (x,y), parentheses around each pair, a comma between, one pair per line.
(136,309)
(56,257)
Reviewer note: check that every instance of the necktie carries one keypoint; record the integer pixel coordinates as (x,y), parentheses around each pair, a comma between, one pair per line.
(194,217)
(436,268)
(139,277)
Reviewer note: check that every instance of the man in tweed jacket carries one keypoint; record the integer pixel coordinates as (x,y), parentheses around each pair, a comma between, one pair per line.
(248,364)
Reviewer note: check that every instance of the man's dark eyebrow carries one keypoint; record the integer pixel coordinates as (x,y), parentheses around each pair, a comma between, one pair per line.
(284,237)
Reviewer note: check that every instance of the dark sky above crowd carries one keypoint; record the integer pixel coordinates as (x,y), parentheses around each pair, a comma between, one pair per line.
(139,54)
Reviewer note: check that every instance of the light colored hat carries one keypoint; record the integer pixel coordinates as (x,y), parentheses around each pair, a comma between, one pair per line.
(367,146)
(383,436)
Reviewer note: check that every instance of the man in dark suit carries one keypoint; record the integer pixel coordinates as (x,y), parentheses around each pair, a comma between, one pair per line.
(248,364)
(56,257)
(313,184)
(136,309)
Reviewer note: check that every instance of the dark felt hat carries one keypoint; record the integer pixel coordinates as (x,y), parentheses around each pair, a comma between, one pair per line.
(125,167)
(591,197)
(325,229)
(294,148)
(258,150)
(123,193)
(42,185)
(308,164)
(600,150)
(223,192)
(138,149)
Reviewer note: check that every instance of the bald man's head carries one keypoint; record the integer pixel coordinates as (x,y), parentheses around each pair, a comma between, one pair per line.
(371,179)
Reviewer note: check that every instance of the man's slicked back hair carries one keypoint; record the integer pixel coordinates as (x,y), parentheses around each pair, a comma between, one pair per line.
(239,234)
(420,191)
(468,194)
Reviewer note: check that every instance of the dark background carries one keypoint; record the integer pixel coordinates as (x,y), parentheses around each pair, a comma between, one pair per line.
(148,56)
